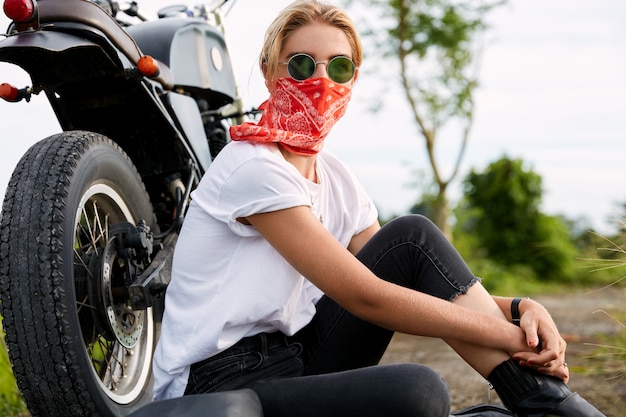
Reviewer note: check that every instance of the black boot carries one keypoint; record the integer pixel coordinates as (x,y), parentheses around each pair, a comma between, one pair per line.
(529,393)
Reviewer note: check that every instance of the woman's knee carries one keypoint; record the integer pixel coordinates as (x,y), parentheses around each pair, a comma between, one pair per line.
(415,229)
(421,390)
(410,221)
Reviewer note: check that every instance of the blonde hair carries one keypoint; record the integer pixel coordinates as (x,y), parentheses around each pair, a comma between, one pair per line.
(296,15)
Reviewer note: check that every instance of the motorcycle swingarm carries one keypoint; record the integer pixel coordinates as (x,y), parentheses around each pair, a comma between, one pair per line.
(148,290)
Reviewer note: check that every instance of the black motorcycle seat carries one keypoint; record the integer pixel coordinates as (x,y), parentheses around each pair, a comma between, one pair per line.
(89,13)
(240,403)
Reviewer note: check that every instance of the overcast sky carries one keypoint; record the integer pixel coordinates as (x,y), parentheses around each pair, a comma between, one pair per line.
(552,93)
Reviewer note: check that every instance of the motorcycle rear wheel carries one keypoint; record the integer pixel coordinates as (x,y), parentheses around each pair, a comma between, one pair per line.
(76,347)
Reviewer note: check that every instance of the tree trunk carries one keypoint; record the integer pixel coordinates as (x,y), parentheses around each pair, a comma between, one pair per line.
(441,212)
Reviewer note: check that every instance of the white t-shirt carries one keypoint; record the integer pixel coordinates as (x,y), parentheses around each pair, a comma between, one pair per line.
(228,282)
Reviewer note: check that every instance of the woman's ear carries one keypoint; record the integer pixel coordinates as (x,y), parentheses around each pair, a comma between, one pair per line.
(264,71)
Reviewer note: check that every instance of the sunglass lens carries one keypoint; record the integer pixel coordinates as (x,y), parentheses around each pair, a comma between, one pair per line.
(341,69)
(301,67)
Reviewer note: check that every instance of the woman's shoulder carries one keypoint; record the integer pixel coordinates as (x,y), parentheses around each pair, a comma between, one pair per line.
(249,163)
(241,153)
(243,150)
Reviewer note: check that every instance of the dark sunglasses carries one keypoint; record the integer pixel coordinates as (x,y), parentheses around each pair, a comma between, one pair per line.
(340,69)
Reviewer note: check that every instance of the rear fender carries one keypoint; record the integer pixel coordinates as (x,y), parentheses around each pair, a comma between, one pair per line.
(53,57)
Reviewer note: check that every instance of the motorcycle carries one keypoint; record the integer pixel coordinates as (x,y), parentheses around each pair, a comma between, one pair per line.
(91,214)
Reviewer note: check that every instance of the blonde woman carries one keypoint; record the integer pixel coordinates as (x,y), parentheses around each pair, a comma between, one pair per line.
(284,282)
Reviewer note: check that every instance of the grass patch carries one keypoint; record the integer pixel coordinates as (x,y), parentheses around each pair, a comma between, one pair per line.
(609,355)
(11,403)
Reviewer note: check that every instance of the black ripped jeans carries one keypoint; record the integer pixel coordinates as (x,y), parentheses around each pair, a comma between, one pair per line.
(329,368)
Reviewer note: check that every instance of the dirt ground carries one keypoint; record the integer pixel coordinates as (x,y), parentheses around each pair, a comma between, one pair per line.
(579,319)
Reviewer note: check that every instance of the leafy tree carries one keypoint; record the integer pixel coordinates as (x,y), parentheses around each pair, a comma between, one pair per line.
(434,43)
(501,210)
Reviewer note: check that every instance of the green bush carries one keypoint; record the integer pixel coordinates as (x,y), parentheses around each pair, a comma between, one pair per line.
(514,280)
(500,209)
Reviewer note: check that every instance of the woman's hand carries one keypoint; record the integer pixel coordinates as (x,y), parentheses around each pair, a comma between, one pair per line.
(542,333)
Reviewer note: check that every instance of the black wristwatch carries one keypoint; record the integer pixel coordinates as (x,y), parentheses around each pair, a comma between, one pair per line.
(515,317)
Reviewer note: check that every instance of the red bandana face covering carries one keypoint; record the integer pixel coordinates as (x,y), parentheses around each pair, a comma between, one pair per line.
(298,115)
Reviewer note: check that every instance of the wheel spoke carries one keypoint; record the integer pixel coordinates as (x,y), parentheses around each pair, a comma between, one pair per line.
(113,332)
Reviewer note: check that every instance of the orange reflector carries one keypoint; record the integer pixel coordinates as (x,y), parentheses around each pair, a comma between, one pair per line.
(148,66)
(8,92)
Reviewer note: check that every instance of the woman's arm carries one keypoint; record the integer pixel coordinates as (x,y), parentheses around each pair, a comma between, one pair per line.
(303,241)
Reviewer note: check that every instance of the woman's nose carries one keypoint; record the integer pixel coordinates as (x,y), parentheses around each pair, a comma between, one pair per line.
(320,70)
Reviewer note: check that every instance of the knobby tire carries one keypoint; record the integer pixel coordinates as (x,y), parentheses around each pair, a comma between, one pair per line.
(51,282)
